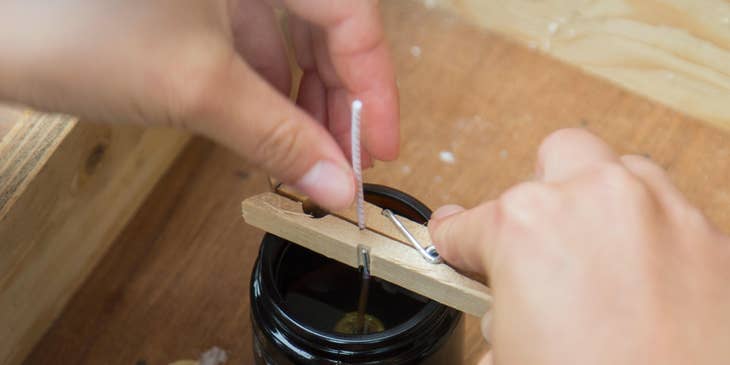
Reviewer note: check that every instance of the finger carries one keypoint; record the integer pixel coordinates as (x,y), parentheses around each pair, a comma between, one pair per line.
(567,153)
(323,60)
(312,94)
(313,97)
(322,82)
(339,110)
(252,118)
(359,55)
(656,179)
(462,237)
(301,36)
(488,359)
(257,39)
(338,99)
(446,210)
(345,142)
(486,326)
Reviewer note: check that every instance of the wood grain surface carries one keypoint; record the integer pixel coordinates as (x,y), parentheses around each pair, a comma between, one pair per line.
(673,51)
(474,109)
(66,191)
(8,117)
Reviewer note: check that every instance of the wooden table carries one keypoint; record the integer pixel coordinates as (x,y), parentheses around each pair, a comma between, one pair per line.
(175,283)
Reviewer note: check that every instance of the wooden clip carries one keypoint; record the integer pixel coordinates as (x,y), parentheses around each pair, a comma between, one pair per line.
(335,236)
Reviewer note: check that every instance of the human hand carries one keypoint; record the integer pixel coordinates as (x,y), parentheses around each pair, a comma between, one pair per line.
(599,261)
(218,68)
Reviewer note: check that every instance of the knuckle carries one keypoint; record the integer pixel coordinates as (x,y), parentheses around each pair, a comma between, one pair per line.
(560,138)
(192,86)
(193,96)
(643,165)
(694,218)
(561,135)
(526,204)
(620,182)
(276,146)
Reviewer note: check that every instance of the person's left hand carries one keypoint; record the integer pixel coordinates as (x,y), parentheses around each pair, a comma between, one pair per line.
(218,68)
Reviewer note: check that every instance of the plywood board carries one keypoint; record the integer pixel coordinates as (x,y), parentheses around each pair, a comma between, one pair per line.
(66,190)
(8,117)
(676,52)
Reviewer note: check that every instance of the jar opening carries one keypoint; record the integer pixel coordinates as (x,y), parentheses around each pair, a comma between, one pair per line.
(316,292)
(298,295)
(319,292)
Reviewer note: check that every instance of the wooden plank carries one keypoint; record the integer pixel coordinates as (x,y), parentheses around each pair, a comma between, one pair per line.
(374,219)
(24,151)
(494,101)
(176,282)
(9,115)
(393,261)
(66,191)
(676,52)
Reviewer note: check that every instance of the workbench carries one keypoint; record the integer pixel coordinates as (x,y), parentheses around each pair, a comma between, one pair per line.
(474,107)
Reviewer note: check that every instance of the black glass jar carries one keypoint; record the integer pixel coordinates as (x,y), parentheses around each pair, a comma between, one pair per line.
(298,296)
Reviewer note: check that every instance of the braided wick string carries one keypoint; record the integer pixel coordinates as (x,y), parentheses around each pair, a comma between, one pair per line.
(356,162)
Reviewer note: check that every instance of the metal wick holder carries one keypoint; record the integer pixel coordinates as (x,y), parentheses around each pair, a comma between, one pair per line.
(429,253)
(363,259)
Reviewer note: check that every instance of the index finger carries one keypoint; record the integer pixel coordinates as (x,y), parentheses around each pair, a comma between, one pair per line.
(361,59)
(462,237)
(567,153)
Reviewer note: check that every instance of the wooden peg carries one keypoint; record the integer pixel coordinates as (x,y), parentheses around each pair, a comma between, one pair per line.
(390,260)
(373,217)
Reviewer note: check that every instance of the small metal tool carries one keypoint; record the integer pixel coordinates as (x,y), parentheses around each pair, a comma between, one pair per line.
(363,261)
(429,253)
(356,161)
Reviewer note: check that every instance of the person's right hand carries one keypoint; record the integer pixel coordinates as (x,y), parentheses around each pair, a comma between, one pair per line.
(600,261)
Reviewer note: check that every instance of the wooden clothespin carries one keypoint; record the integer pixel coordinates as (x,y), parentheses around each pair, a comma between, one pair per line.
(392,257)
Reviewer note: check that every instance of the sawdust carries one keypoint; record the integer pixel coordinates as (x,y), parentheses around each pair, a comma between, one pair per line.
(447,157)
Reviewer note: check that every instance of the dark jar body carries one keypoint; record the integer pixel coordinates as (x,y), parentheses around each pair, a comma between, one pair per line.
(297,295)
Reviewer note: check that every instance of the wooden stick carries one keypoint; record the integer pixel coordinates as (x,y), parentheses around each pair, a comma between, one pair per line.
(390,260)
(374,219)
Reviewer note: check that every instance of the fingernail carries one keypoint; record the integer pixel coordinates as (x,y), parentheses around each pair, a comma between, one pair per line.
(329,185)
(446,211)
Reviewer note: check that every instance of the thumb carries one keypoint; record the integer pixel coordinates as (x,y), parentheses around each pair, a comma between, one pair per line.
(488,359)
(463,237)
(249,116)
